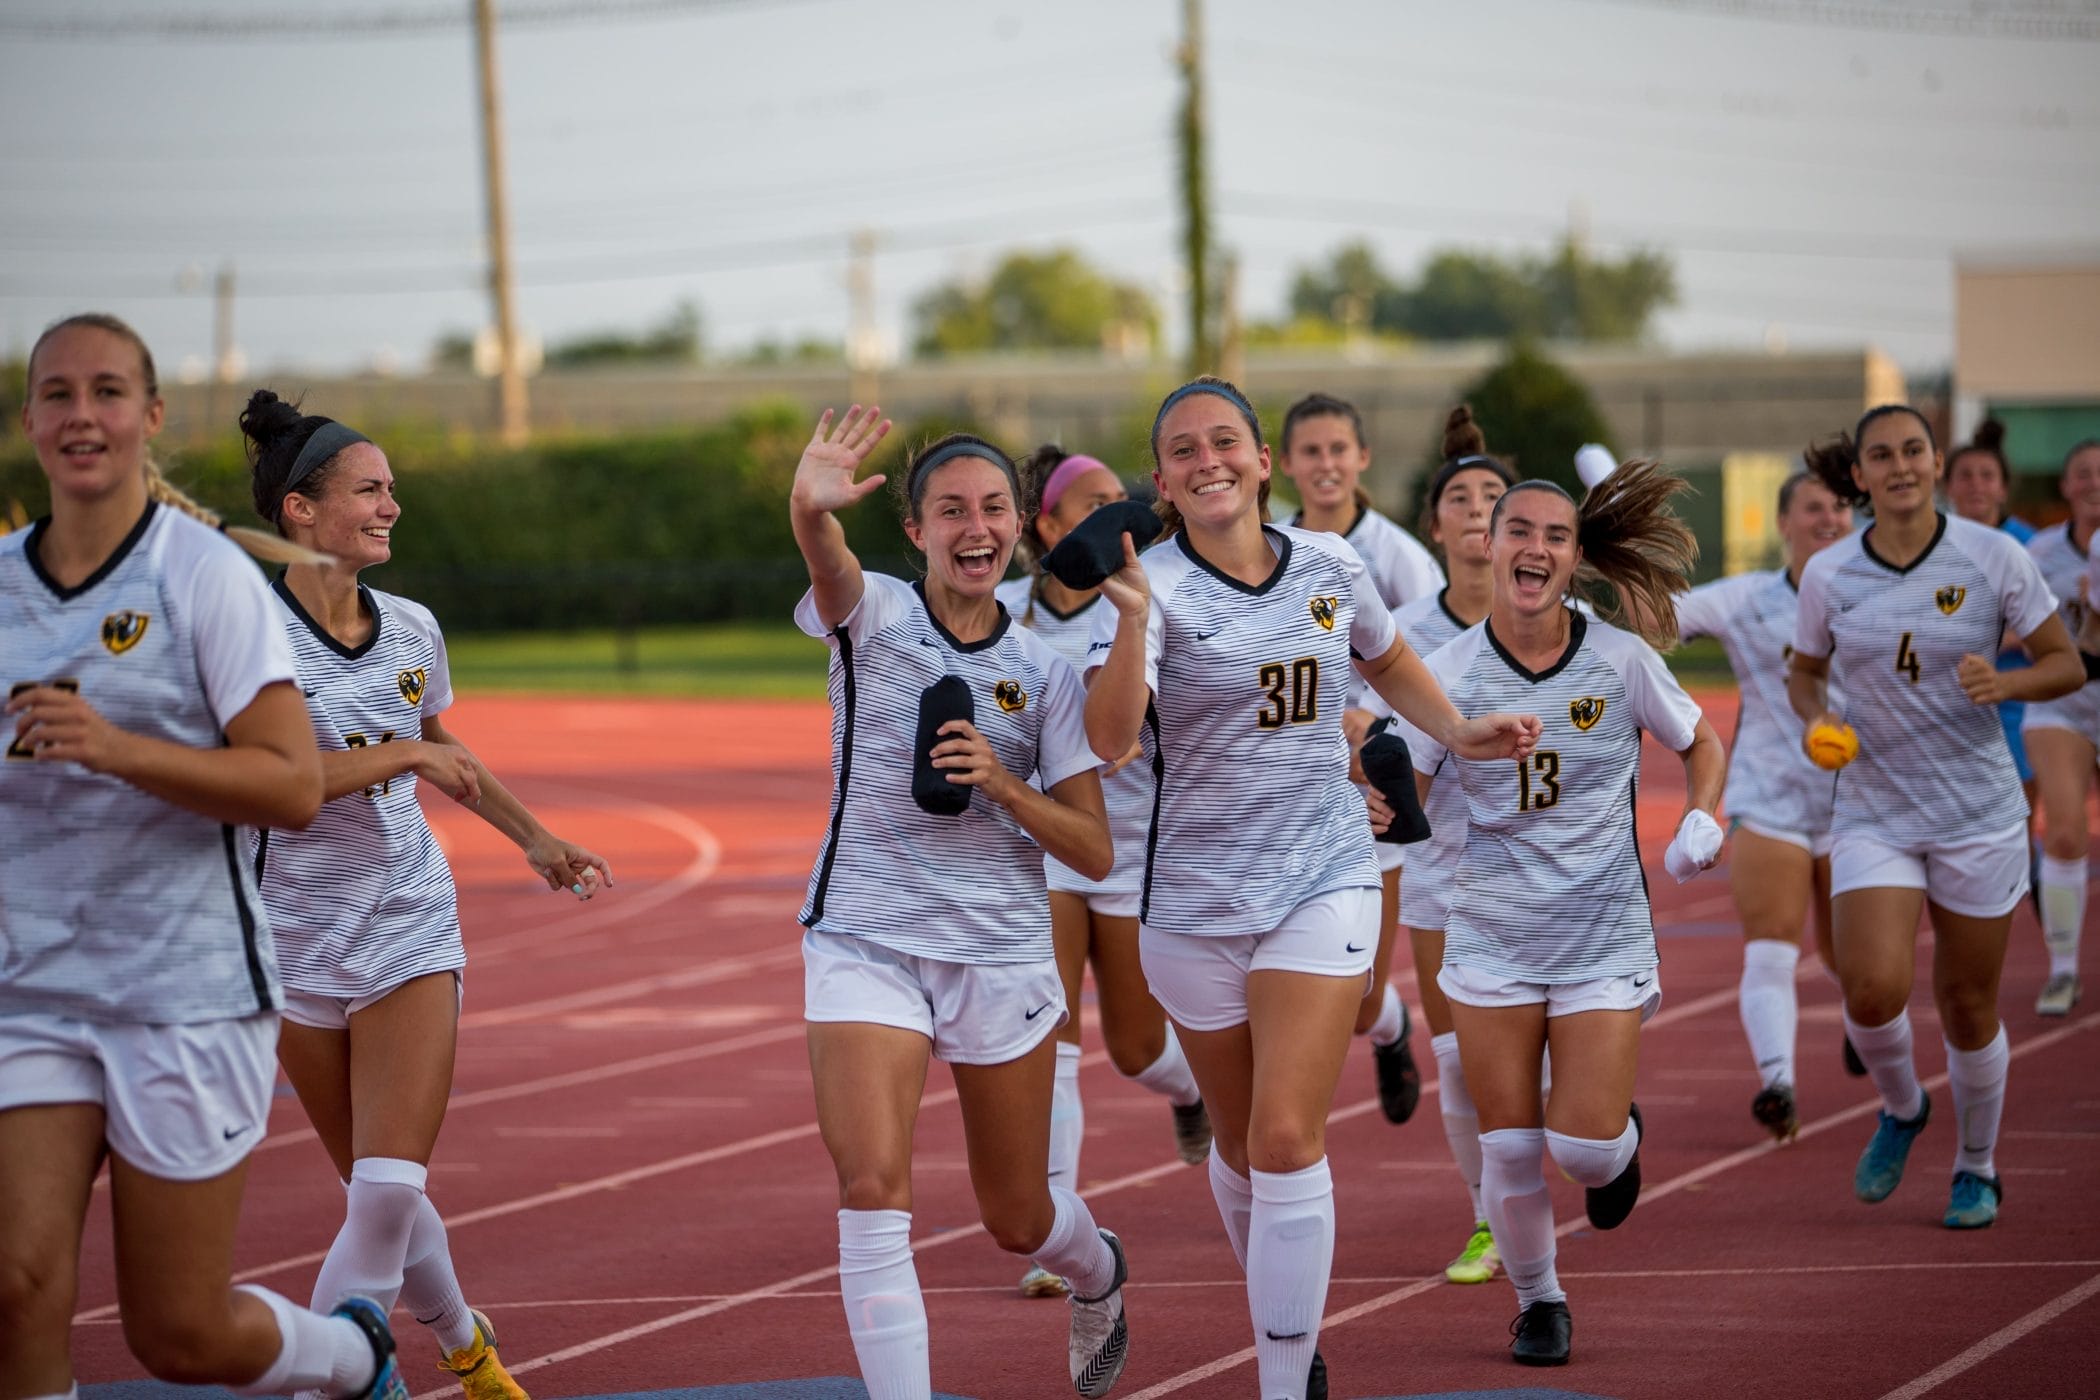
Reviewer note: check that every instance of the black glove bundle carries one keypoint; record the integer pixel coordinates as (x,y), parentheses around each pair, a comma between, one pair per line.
(1390,769)
(1094,549)
(946,699)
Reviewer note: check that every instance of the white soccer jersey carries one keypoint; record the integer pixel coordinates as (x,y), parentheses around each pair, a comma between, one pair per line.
(1255,812)
(2063,564)
(1550,887)
(1932,767)
(1427,624)
(116,905)
(362,900)
(963,889)
(1770,780)
(1127,791)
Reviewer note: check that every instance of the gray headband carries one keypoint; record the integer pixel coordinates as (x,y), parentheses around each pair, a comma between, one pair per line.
(983,450)
(331,438)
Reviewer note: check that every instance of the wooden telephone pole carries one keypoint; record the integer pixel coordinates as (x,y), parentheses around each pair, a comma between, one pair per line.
(513,413)
(1195,192)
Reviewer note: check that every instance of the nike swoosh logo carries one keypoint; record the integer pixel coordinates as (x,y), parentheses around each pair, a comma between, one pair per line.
(1640,982)
(1284,1337)
(231,1133)
(1352,947)
(1204,637)
(1039,1011)
(928,642)
(310,694)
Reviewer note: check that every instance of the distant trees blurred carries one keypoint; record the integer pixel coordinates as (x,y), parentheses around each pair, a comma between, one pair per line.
(674,340)
(1036,301)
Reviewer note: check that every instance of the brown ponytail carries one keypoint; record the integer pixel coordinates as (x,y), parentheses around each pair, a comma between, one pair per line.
(1832,461)
(1632,540)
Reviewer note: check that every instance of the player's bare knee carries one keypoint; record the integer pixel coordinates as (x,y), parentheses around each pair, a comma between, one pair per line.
(2067,843)
(1285,1147)
(36,1294)
(1875,1002)
(187,1349)
(874,1190)
(1967,1019)
(1018,1226)
(1134,1052)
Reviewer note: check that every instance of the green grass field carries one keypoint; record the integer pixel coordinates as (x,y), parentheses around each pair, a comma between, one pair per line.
(729,661)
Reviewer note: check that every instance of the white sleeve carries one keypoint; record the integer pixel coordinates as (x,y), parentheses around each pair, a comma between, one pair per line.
(1811,617)
(883,600)
(240,640)
(2024,595)
(1660,705)
(1411,571)
(1371,635)
(437,686)
(1062,749)
(1703,612)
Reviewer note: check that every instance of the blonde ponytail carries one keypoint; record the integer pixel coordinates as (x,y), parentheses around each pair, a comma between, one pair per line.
(271,549)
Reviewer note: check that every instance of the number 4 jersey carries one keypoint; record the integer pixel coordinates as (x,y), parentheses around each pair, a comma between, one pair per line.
(362,900)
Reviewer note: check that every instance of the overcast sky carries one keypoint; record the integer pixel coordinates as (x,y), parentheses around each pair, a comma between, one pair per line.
(1814,180)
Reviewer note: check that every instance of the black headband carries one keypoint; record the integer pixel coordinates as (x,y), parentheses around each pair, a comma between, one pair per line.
(983,450)
(1201,386)
(330,438)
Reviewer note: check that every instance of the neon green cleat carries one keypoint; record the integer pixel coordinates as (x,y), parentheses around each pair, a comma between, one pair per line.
(1039,1282)
(1478,1261)
(481,1374)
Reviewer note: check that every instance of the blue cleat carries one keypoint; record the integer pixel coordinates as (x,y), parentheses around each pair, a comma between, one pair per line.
(1973,1203)
(387,1382)
(1880,1168)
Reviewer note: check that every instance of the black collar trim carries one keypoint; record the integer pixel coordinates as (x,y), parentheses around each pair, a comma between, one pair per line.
(1443,602)
(1866,544)
(990,640)
(1036,597)
(322,634)
(1793,583)
(1362,512)
(1282,543)
(32,552)
(1578,626)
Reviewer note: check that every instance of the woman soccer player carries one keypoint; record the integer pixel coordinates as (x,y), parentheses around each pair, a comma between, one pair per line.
(2063,735)
(1232,643)
(1778,801)
(1325,456)
(931,932)
(152,711)
(1549,941)
(1095,921)
(362,900)
(1904,617)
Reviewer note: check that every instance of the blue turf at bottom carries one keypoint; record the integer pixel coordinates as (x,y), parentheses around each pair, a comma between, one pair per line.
(819,1388)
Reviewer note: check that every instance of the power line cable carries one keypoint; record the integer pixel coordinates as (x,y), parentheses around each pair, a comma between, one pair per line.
(1981,19)
(390,22)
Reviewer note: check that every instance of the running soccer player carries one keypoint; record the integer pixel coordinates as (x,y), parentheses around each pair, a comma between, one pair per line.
(1904,617)
(1778,801)
(929,932)
(1325,456)
(1230,646)
(362,901)
(2063,735)
(151,713)
(1094,922)
(1549,942)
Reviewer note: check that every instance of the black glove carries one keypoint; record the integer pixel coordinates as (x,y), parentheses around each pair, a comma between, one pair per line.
(1392,772)
(1094,549)
(946,699)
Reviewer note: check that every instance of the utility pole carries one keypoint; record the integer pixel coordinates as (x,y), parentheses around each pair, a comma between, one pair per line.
(1232,333)
(513,415)
(223,368)
(1195,191)
(863,348)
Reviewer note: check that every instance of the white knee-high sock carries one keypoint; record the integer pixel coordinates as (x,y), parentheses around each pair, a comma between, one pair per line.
(1290,1253)
(1074,1249)
(885,1313)
(1976,1079)
(1593,1161)
(1769,1008)
(1235,1197)
(1886,1052)
(1513,1189)
(330,1354)
(371,1247)
(2063,911)
(429,1288)
(1169,1076)
(1067,1119)
(1392,1018)
(1461,1121)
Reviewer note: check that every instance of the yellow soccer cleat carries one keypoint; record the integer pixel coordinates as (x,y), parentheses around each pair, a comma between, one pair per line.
(480,1370)
(1478,1261)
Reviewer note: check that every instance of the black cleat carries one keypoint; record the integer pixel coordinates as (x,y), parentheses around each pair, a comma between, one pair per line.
(1191,1132)
(1399,1081)
(1774,1107)
(1854,1065)
(1316,1378)
(1542,1335)
(1609,1205)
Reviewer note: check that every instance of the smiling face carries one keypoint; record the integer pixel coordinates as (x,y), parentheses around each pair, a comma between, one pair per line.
(1085,495)
(1464,512)
(1814,520)
(1898,465)
(1324,458)
(1210,467)
(349,513)
(91,412)
(1534,550)
(966,525)
(1976,487)
(2081,486)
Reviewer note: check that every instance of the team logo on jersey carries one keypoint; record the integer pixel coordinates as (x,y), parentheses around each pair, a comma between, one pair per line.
(411,684)
(1586,711)
(1950,597)
(1323,610)
(121,631)
(1010,696)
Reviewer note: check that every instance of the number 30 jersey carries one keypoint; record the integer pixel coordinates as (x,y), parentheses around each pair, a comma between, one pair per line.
(1254,812)
(1550,887)
(1933,766)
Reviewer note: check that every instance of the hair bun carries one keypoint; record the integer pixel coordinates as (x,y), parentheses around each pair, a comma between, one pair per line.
(268,417)
(1990,436)
(1462,436)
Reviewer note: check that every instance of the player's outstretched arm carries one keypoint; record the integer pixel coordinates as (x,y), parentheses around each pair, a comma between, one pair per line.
(563,865)
(824,484)
(1404,682)
(1117,694)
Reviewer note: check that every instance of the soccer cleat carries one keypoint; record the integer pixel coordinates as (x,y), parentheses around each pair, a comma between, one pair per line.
(370,1319)
(1609,1205)
(480,1370)
(1973,1203)
(1854,1065)
(1316,1378)
(1477,1262)
(1192,1132)
(1399,1081)
(1542,1335)
(1774,1107)
(1039,1282)
(2059,995)
(1100,1337)
(1880,1167)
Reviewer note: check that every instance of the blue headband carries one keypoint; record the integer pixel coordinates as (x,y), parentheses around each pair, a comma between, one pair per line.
(1199,386)
(329,439)
(982,450)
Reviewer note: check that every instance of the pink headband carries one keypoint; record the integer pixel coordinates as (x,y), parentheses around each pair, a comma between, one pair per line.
(1067,472)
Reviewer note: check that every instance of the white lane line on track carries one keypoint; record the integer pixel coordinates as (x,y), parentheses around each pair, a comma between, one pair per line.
(1997,1341)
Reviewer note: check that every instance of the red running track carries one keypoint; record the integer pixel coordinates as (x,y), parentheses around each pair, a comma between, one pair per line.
(636,1191)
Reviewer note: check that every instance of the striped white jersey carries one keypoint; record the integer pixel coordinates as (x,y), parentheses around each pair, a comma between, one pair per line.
(962,889)
(1932,766)
(1127,792)
(1255,811)
(1550,888)
(1427,624)
(115,905)
(1770,780)
(1401,570)
(2063,564)
(362,900)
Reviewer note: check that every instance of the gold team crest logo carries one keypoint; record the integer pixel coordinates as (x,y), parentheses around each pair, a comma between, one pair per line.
(1586,711)
(1323,610)
(1010,696)
(411,684)
(1950,598)
(121,631)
